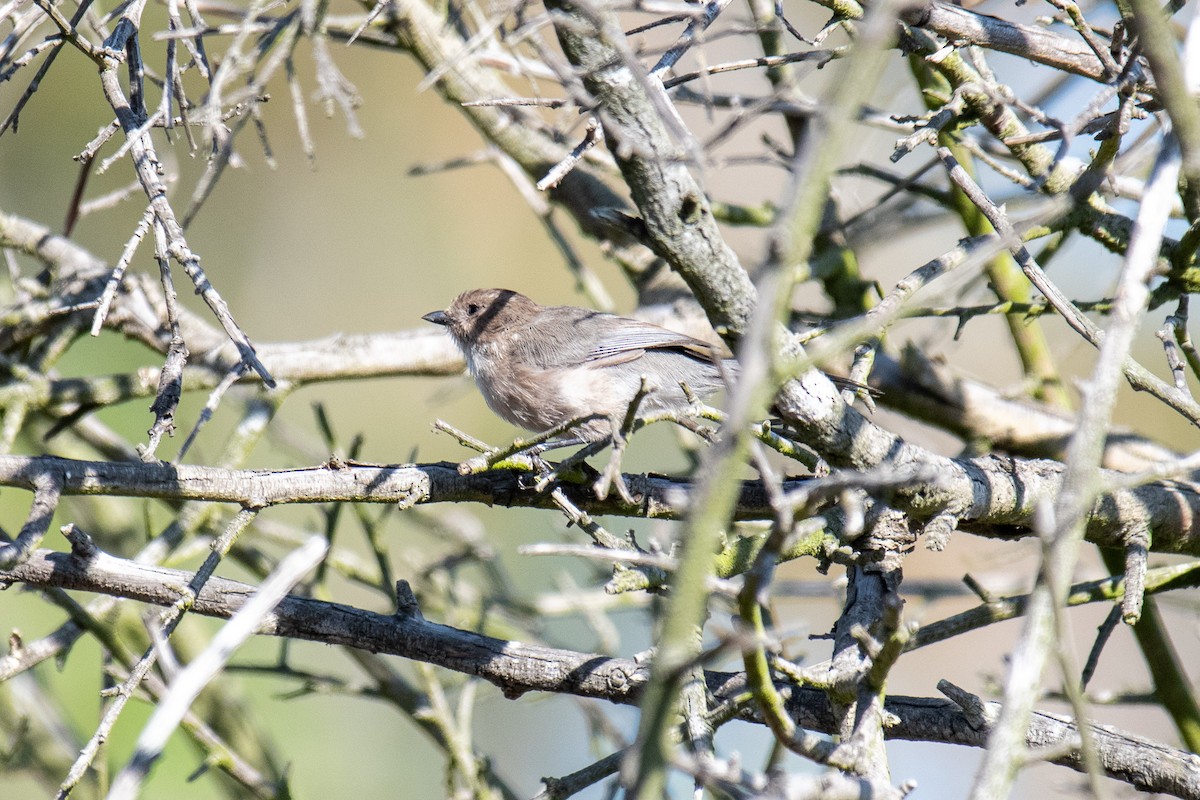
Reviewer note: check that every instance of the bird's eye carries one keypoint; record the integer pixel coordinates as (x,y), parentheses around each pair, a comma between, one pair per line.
(472,309)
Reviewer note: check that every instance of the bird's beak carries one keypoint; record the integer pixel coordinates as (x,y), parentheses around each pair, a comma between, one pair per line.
(437,318)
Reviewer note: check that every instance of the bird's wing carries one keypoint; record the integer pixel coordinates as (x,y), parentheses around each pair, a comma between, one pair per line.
(632,339)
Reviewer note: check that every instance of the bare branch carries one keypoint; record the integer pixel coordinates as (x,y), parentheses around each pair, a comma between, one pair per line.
(518,668)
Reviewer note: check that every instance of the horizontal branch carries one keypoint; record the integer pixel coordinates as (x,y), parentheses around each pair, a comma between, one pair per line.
(656,496)
(405,353)
(936,394)
(1004,492)
(517,668)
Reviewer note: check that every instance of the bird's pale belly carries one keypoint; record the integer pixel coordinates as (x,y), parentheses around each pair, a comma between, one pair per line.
(575,393)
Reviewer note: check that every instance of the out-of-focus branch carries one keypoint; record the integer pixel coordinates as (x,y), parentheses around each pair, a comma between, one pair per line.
(1157,41)
(422,32)
(339,357)
(934,393)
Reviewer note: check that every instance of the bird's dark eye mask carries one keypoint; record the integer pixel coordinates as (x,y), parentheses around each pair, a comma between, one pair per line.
(490,312)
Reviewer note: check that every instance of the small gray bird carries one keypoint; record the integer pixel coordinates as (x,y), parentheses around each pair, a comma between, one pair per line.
(539,366)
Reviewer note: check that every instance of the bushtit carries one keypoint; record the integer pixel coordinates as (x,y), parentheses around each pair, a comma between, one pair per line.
(539,366)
